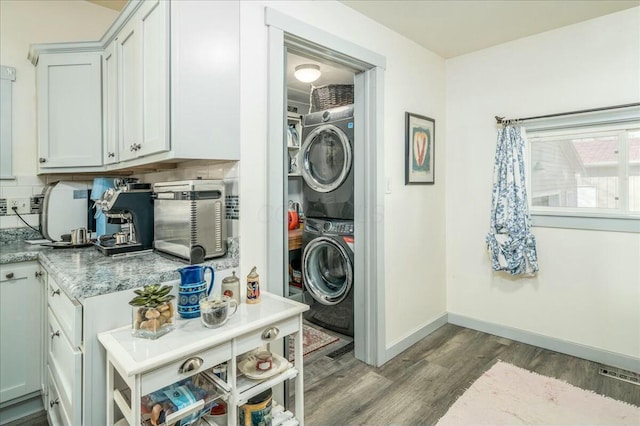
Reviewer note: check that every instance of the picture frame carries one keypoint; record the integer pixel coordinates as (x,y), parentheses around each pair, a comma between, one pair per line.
(419,149)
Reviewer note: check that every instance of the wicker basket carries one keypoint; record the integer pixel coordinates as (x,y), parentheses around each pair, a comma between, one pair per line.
(331,96)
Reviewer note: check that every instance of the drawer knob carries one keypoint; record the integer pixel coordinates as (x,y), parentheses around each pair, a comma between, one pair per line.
(270,333)
(55,292)
(191,364)
(54,402)
(10,275)
(55,334)
(39,274)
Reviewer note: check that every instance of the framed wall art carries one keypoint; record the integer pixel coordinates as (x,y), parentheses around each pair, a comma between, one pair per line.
(419,149)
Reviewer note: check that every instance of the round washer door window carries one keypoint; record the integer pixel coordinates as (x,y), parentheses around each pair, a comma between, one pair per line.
(327,271)
(326,158)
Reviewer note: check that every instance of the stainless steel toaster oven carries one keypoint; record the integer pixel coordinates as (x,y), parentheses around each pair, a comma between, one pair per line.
(189,219)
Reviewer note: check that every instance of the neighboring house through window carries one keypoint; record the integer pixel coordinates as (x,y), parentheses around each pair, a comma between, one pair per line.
(585,173)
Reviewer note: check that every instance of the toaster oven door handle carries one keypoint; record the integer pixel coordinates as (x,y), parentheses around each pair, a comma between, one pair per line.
(188,195)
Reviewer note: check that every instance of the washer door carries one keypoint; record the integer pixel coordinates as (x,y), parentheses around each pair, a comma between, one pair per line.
(326,158)
(327,271)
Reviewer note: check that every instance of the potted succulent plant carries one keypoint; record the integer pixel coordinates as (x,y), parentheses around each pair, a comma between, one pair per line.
(152,311)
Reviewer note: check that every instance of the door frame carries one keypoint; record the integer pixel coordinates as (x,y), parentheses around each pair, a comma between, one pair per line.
(285,33)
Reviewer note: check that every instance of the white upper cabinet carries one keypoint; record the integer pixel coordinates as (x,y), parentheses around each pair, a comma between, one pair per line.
(165,89)
(144,80)
(130,89)
(154,21)
(69,110)
(110,103)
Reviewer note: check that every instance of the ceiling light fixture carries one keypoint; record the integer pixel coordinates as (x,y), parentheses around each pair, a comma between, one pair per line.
(307,73)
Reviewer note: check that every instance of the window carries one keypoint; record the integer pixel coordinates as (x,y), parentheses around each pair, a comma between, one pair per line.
(585,175)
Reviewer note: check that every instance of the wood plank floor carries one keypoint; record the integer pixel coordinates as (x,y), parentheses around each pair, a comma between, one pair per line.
(418,386)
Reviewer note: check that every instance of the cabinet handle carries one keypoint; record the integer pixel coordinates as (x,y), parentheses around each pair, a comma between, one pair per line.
(138,146)
(42,160)
(55,334)
(39,274)
(55,292)
(132,147)
(191,364)
(270,333)
(10,275)
(111,154)
(54,402)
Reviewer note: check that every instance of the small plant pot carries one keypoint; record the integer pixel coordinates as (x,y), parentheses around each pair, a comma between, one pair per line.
(151,323)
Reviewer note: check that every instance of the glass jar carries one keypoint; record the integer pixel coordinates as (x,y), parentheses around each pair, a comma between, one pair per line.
(153,322)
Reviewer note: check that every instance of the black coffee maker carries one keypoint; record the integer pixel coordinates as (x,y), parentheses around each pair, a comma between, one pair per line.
(130,206)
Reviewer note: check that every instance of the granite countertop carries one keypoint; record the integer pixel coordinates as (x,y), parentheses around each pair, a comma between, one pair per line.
(85,272)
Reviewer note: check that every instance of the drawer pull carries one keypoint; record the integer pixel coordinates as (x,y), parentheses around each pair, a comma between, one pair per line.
(55,334)
(54,402)
(191,364)
(55,292)
(270,333)
(10,275)
(39,274)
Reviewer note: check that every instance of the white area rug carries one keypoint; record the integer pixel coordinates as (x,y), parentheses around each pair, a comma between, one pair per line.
(509,395)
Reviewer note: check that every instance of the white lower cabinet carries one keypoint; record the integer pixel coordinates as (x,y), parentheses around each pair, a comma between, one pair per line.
(20,332)
(74,383)
(138,367)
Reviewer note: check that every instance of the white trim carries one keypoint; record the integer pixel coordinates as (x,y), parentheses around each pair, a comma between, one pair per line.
(405,343)
(593,223)
(301,30)
(559,345)
(598,118)
(277,234)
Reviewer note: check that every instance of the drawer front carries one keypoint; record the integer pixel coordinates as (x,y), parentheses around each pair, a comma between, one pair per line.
(57,414)
(65,363)
(257,338)
(170,373)
(68,312)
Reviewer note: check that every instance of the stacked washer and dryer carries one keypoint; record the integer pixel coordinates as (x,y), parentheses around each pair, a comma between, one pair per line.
(328,204)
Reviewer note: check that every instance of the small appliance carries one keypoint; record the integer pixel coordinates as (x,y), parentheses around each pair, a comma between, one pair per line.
(190,219)
(65,206)
(100,186)
(131,206)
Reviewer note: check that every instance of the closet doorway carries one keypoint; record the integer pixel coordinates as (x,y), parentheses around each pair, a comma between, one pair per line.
(287,35)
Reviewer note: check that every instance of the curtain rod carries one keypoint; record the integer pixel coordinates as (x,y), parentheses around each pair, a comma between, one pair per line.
(502,120)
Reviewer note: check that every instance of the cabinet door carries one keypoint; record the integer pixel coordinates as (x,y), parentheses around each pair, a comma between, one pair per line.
(69,110)
(110,103)
(130,94)
(20,331)
(154,16)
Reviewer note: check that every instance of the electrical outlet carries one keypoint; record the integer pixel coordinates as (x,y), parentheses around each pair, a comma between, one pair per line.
(23,206)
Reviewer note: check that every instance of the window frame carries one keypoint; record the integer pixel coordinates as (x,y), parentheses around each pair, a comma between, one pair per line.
(614,121)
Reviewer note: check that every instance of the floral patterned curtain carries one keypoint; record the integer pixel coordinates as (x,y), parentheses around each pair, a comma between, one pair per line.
(511,244)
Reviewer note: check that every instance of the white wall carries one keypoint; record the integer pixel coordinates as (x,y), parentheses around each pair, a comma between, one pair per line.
(21,24)
(413,215)
(588,287)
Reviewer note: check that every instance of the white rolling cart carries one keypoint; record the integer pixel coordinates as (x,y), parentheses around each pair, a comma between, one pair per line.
(137,367)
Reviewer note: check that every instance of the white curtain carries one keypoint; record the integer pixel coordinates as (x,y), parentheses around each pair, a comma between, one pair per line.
(511,244)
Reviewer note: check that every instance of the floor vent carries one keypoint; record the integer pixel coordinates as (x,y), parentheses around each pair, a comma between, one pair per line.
(625,376)
(343,350)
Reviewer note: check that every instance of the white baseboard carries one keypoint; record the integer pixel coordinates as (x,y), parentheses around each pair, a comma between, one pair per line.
(23,408)
(559,345)
(405,343)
